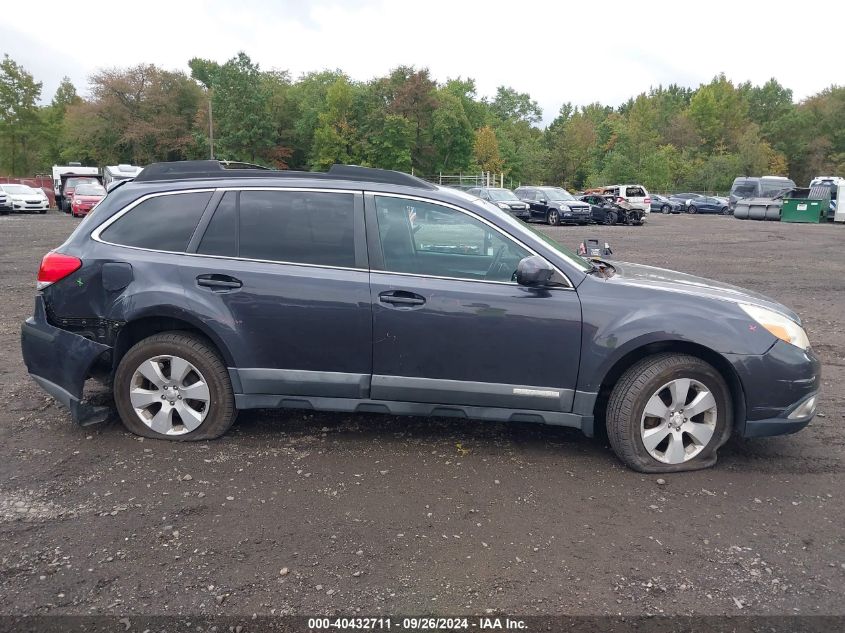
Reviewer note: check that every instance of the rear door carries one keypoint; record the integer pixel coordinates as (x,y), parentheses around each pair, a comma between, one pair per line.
(450,326)
(281,275)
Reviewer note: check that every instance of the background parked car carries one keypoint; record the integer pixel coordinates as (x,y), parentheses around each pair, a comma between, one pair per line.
(85,197)
(662,204)
(554,205)
(504,199)
(69,183)
(684,198)
(635,195)
(5,205)
(25,198)
(708,204)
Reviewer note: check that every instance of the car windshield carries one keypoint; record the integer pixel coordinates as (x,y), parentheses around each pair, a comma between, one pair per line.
(500,195)
(745,189)
(73,182)
(18,189)
(90,190)
(556,193)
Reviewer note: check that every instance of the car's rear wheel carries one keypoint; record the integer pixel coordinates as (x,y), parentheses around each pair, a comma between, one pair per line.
(666,209)
(669,413)
(553,217)
(692,209)
(174,386)
(610,218)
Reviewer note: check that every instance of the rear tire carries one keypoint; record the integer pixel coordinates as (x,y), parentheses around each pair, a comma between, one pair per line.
(553,217)
(692,209)
(208,368)
(610,218)
(649,383)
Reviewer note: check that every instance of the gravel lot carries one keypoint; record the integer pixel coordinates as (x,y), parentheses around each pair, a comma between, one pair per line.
(298,513)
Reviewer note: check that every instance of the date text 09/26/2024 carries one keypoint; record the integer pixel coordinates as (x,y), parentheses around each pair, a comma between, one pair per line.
(416,623)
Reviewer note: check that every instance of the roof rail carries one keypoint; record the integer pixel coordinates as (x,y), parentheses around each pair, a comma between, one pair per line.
(215,169)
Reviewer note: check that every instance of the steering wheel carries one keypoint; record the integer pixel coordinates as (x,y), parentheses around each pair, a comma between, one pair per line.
(498,256)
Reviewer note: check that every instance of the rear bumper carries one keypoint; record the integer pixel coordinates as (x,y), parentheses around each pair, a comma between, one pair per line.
(60,361)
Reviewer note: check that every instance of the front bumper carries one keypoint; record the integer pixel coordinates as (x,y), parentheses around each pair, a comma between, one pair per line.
(776,386)
(60,361)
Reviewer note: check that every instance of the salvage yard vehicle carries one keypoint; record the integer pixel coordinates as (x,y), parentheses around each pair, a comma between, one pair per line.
(504,199)
(684,198)
(606,211)
(635,195)
(554,205)
(85,197)
(25,198)
(666,205)
(60,176)
(5,205)
(197,291)
(116,173)
(758,187)
(708,204)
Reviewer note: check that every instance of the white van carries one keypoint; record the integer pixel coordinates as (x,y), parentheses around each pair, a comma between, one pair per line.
(113,173)
(635,195)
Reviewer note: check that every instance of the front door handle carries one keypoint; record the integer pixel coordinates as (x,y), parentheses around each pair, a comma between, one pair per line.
(401,298)
(219,283)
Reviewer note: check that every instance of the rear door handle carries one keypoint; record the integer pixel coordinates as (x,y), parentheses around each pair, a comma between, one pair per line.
(219,283)
(401,298)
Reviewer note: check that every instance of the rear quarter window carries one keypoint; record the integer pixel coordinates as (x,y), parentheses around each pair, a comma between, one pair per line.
(161,223)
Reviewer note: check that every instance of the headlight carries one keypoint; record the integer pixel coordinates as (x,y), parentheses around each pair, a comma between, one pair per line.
(778,325)
(503,205)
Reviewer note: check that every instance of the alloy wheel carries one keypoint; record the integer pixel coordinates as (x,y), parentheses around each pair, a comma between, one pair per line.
(169,395)
(678,421)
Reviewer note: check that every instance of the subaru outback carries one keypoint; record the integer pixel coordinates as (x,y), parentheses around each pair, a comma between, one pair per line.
(197,291)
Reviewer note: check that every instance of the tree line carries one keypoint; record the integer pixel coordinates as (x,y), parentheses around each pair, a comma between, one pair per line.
(668,138)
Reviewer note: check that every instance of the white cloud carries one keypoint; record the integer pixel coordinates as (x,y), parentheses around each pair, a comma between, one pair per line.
(555,51)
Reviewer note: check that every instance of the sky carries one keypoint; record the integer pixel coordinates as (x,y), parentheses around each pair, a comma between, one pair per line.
(558,52)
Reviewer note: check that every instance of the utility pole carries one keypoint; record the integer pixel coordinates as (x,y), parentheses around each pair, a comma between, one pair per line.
(210,130)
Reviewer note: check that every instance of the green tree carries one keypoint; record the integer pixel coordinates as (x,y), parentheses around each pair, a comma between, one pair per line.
(452,135)
(19,119)
(241,110)
(335,139)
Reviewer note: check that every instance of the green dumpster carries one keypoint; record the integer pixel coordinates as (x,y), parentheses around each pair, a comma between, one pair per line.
(804,205)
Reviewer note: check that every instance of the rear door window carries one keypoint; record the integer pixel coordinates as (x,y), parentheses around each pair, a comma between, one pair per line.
(302,227)
(161,223)
(221,236)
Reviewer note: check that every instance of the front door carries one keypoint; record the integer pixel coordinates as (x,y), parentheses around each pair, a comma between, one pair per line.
(450,324)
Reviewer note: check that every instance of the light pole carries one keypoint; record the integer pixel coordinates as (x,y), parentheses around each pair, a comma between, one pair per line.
(210,130)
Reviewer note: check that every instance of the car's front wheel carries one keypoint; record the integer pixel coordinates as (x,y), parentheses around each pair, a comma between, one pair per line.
(666,209)
(174,386)
(692,209)
(669,413)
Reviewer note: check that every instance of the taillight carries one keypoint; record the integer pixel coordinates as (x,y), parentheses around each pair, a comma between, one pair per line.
(54,267)
(647,201)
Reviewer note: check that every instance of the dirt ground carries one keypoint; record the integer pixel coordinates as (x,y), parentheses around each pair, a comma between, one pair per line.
(301,513)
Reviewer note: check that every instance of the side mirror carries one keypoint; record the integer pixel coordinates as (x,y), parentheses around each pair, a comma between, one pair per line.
(534,271)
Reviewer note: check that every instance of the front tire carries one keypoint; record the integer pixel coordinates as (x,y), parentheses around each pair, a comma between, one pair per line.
(174,386)
(669,413)
(666,209)
(692,209)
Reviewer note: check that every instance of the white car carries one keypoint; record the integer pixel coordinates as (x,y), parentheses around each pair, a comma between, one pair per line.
(635,195)
(25,198)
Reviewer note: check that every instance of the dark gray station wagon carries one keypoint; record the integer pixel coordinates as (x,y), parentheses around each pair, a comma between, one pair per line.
(198,291)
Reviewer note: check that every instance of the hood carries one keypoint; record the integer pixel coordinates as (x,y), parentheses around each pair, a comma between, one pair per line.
(575,205)
(673,281)
(87,198)
(25,196)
